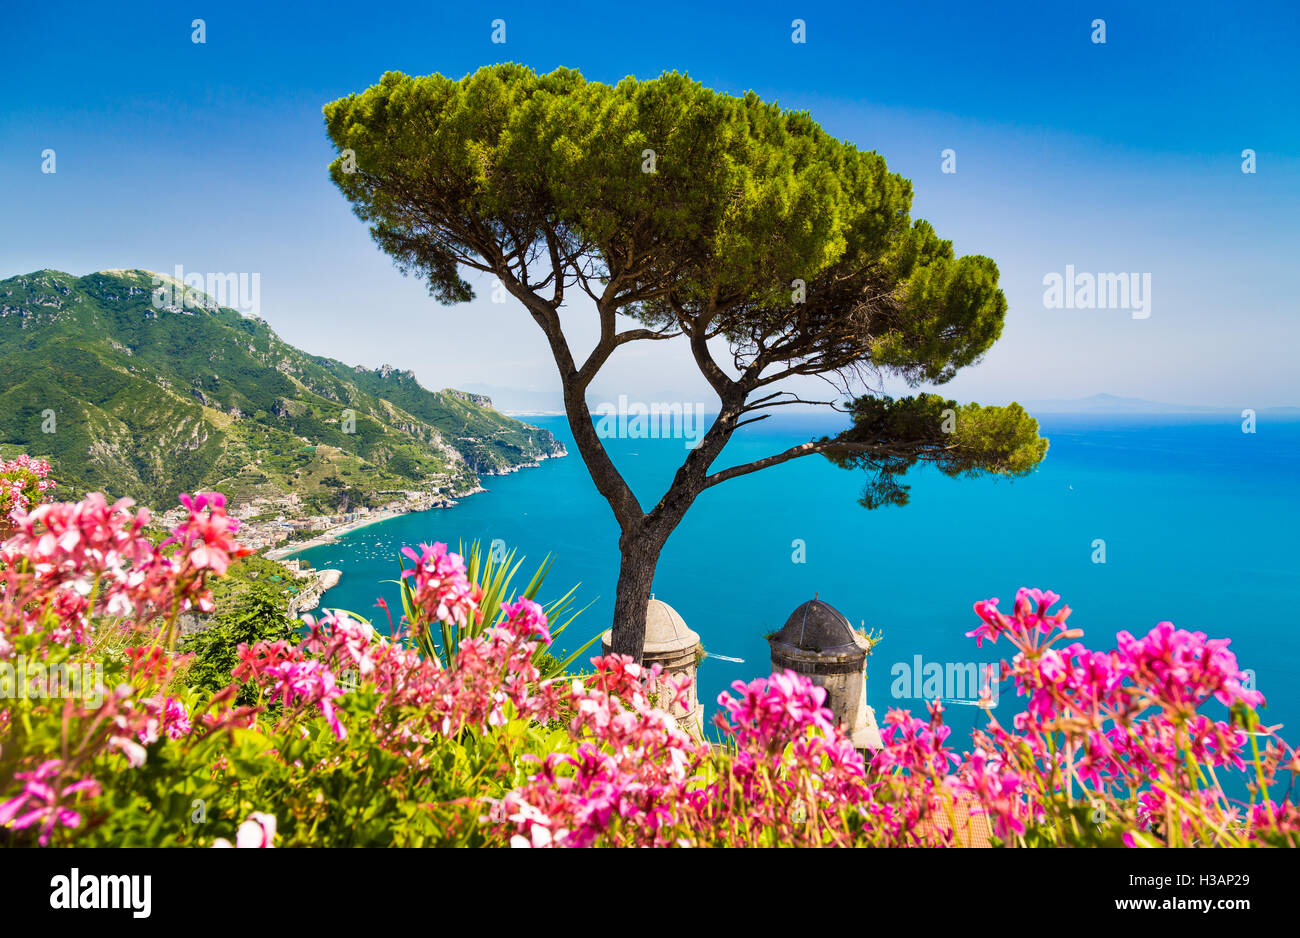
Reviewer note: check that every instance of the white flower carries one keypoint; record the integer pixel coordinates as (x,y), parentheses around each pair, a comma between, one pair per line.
(257,831)
(134,752)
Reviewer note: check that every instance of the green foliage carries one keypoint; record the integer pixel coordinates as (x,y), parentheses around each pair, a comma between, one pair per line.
(244,574)
(699,214)
(890,436)
(256,616)
(744,198)
(324,792)
(20,488)
(1075,824)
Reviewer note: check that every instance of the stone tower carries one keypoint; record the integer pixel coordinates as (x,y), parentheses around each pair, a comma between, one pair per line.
(669,642)
(818,642)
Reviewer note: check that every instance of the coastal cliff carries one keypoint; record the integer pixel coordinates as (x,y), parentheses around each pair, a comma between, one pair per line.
(135,396)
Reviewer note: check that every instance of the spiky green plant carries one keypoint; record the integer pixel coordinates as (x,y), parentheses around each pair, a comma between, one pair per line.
(493,575)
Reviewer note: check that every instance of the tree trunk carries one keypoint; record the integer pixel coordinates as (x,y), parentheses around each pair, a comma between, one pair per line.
(636,573)
(639,549)
(644,534)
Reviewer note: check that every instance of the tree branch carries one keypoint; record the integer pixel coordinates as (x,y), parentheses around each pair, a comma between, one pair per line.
(884,449)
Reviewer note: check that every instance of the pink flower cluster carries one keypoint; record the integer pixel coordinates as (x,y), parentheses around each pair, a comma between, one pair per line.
(63,557)
(207,536)
(443,590)
(493,680)
(45,801)
(121,725)
(23,481)
(1120,731)
(1183,669)
(1102,726)
(68,573)
(167,717)
(629,776)
(1110,730)
(788,776)
(293,679)
(1031,618)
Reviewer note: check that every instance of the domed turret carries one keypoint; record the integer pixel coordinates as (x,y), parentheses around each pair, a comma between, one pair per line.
(672,644)
(818,641)
(665,630)
(820,627)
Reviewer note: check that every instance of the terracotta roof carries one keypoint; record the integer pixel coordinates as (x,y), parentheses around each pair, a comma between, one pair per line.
(972,829)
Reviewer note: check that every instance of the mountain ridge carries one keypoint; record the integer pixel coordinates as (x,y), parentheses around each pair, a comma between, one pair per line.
(135,398)
(1112,404)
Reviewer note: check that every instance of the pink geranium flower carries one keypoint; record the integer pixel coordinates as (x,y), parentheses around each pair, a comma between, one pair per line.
(44,800)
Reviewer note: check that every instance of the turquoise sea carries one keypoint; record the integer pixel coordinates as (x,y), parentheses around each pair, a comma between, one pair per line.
(1201,524)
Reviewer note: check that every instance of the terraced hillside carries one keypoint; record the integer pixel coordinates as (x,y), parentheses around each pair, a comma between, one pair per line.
(130,399)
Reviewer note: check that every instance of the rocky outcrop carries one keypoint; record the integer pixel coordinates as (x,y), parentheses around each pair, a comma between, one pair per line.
(308,597)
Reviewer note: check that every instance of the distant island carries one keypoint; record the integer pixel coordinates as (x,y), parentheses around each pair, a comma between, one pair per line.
(134,398)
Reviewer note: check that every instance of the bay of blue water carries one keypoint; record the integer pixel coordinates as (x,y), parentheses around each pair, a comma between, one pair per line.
(1199,521)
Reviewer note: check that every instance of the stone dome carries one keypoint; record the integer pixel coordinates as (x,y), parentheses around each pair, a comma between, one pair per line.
(820,627)
(666,630)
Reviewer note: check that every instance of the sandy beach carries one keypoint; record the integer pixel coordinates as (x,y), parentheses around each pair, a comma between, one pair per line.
(328,536)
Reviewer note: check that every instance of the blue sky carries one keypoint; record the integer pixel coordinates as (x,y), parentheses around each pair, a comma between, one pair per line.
(1122,157)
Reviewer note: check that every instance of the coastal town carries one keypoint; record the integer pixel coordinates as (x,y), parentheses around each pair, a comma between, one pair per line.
(278,524)
(278,527)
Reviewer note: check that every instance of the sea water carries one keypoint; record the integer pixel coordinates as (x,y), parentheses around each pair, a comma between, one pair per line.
(1197,523)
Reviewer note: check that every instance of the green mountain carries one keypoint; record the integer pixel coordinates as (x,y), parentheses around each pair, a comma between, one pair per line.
(129,399)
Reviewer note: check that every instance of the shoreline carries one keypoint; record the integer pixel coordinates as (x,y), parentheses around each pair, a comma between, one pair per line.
(331,535)
(319,583)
